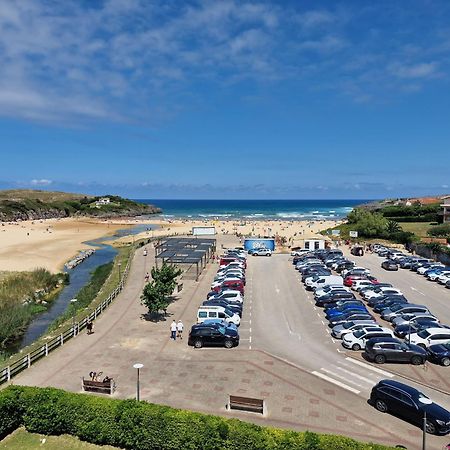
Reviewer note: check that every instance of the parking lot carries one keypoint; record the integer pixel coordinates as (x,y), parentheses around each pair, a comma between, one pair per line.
(285,356)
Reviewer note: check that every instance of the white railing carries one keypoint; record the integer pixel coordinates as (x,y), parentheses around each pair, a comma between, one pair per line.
(25,361)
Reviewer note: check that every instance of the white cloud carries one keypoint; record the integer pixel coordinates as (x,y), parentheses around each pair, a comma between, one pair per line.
(41,182)
(419,70)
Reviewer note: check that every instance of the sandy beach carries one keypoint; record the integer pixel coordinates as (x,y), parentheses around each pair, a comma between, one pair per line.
(48,243)
(52,242)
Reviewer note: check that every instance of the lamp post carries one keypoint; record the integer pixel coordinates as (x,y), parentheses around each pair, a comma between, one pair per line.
(119,265)
(424,401)
(138,367)
(72,302)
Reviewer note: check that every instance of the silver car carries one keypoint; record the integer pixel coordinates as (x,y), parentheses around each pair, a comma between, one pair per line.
(339,331)
(403,308)
(404,319)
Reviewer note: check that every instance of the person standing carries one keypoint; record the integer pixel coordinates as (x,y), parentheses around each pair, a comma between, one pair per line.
(89,327)
(173,330)
(180,327)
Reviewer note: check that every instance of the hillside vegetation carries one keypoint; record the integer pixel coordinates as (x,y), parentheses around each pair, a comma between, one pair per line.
(34,205)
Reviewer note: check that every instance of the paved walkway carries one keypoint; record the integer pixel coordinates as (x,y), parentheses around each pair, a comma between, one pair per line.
(179,376)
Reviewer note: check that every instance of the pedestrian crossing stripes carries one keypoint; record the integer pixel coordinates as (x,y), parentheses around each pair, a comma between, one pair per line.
(353,375)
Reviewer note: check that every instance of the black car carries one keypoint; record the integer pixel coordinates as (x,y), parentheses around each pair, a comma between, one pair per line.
(447,285)
(388,302)
(212,336)
(404,401)
(390,349)
(439,353)
(334,297)
(389,264)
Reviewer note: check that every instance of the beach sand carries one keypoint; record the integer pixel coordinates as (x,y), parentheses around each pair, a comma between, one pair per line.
(50,243)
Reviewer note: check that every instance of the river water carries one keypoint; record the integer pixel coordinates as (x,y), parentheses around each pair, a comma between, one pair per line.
(79,277)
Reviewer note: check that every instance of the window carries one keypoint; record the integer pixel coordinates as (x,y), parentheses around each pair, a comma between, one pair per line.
(202,314)
(307,244)
(213,314)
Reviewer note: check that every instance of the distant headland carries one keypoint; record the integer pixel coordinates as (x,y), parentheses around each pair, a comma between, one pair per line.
(28,204)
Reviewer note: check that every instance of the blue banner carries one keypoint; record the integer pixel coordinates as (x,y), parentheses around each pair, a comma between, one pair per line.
(250,244)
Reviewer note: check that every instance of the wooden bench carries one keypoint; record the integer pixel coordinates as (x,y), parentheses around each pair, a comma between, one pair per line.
(100,387)
(246,404)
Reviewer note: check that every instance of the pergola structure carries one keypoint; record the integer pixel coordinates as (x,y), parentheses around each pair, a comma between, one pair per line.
(190,251)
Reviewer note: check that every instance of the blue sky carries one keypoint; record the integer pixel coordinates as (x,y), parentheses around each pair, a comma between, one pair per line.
(226,99)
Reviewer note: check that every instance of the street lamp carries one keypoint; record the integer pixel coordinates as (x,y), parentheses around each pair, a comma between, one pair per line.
(425,401)
(73,301)
(138,366)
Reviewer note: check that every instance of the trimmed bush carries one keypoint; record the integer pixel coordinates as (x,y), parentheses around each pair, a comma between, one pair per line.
(144,426)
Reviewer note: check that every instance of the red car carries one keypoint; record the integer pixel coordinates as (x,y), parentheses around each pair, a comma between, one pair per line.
(231,284)
(348,281)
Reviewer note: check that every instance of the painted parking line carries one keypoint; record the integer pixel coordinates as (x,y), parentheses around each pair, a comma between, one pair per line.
(368,366)
(336,382)
(342,377)
(360,377)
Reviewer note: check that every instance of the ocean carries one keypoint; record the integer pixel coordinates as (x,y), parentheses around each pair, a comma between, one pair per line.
(256,209)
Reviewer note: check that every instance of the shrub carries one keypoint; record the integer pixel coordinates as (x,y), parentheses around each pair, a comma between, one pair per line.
(145,426)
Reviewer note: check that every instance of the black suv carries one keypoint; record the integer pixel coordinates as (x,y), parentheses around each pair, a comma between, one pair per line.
(383,350)
(212,336)
(402,400)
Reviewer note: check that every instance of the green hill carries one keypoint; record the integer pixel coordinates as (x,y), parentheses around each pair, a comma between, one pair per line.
(30,204)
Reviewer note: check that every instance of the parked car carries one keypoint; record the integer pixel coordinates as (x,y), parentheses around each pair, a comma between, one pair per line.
(402,308)
(338,331)
(334,313)
(351,317)
(408,317)
(439,353)
(357,340)
(430,336)
(202,336)
(389,349)
(404,401)
(389,264)
(414,326)
(379,304)
(262,252)
(333,297)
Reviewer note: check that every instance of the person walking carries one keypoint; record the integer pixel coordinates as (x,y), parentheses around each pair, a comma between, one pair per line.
(89,326)
(180,327)
(173,330)
(147,277)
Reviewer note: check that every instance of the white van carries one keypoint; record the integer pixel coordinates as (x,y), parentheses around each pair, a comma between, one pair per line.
(217,312)
(321,281)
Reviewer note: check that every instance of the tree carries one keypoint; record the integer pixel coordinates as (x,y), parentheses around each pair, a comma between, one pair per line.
(154,298)
(156,294)
(393,227)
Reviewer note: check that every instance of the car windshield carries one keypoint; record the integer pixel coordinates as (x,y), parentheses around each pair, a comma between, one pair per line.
(359,333)
(348,325)
(397,306)
(228,312)
(423,334)
(221,330)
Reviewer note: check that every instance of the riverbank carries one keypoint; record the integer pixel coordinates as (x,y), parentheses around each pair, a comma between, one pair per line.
(50,243)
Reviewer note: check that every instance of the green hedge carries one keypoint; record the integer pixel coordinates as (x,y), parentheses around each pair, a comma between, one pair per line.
(140,425)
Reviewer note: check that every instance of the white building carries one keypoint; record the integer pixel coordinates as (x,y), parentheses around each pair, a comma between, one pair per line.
(446,206)
(103,201)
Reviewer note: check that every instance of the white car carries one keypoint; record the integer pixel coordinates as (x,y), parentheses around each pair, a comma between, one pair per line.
(339,331)
(357,339)
(444,277)
(358,284)
(300,252)
(429,336)
(383,291)
(262,252)
(331,287)
(423,269)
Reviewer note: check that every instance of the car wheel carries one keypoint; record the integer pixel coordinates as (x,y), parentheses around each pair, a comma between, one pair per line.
(445,361)
(198,343)
(430,427)
(381,405)
(416,360)
(228,344)
(380,359)
(356,347)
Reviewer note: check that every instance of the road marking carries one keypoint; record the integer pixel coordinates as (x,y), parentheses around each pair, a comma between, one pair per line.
(342,377)
(336,382)
(353,374)
(250,339)
(414,289)
(323,323)
(249,347)
(340,351)
(328,331)
(315,308)
(368,366)
(334,340)
(250,330)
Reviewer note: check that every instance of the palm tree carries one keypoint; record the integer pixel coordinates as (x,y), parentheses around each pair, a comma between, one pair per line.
(393,227)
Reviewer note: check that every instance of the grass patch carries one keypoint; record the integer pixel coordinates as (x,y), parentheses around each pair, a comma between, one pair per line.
(418,228)
(23,440)
(21,297)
